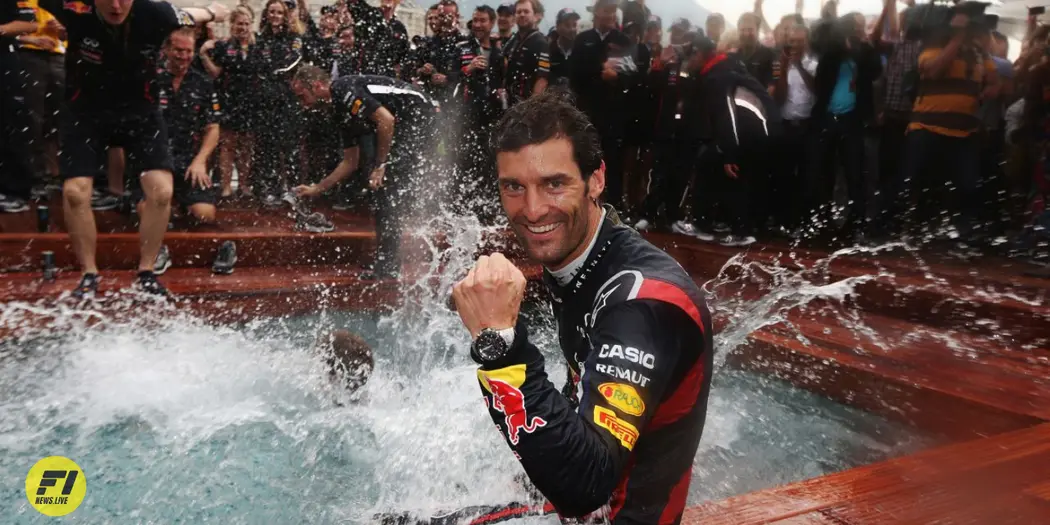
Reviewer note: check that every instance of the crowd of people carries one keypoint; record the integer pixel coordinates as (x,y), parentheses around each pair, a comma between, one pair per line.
(725,134)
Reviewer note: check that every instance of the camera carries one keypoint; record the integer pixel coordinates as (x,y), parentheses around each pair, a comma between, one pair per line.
(933,22)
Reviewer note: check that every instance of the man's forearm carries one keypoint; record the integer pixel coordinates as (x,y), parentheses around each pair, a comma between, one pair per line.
(208,145)
(201,15)
(384,139)
(540,86)
(341,171)
(17,27)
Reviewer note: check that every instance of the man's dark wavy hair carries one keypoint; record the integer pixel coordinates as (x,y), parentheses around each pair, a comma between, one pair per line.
(547,116)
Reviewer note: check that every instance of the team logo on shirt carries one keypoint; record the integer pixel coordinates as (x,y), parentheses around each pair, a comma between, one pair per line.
(623,397)
(183,17)
(79,8)
(622,430)
(355,108)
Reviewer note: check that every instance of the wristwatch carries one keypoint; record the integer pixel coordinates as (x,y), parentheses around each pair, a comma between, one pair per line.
(491,345)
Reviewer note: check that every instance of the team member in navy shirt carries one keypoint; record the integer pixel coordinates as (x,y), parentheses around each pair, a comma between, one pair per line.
(111,66)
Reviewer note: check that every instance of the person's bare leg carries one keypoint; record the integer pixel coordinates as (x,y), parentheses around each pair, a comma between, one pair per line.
(227,152)
(115,170)
(80,221)
(245,149)
(157,186)
(203,212)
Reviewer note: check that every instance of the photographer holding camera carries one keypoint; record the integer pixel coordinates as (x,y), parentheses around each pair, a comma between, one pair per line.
(955,74)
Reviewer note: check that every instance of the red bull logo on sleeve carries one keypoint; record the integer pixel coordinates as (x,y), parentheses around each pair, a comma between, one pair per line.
(505,386)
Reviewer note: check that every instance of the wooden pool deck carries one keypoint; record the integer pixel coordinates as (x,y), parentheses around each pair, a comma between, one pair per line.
(958,349)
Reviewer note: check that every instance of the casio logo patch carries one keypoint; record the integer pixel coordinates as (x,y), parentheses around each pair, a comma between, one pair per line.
(629,354)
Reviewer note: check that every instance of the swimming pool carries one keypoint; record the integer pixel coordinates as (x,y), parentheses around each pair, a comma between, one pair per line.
(178,420)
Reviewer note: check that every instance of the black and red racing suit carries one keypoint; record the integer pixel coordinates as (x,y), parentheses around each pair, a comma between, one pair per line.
(636,333)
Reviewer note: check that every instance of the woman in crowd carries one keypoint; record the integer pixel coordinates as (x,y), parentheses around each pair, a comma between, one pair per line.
(277,52)
(228,61)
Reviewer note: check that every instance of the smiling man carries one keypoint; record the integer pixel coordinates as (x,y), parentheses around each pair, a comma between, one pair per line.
(633,327)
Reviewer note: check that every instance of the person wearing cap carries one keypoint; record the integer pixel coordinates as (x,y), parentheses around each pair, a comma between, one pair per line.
(504,23)
(527,54)
(565,29)
(602,67)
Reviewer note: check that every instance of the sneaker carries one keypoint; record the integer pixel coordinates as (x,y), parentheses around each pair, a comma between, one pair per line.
(12,204)
(342,205)
(271,201)
(703,236)
(737,241)
(314,223)
(721,227)
(642,225)
(683,228)
(148,283)
(227,257)
(88,286)
(103,201)
(163,261)
(298,205)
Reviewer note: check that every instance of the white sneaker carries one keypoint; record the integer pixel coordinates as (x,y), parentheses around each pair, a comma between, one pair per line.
(735,241)
(642,225)
(684,228)
(163,261)
(704,236)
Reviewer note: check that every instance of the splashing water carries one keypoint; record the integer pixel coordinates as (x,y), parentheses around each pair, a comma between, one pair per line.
(179,418)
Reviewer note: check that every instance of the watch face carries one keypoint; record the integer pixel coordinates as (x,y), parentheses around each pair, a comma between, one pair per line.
(490,345)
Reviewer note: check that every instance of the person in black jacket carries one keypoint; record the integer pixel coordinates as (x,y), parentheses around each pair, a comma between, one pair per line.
(394,47)
(600,75)
(620,438)
(278,51)
(844,104)
(440,67)
(739,120)
(562,39)
(675,143)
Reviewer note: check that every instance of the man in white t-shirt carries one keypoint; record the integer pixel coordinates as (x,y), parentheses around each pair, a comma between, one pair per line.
(793,92)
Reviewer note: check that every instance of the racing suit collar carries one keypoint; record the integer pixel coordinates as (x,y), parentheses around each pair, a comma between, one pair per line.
(564,276)
(610,223)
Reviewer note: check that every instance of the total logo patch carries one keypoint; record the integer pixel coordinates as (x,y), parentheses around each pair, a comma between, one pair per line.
(623,397)
(55,486)
(624,431)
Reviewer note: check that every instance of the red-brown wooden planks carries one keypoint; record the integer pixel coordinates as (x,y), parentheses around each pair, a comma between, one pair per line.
(892,491)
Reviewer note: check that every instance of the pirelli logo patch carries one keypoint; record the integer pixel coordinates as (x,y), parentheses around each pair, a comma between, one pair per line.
(624,431)
(623,397)
(355,108)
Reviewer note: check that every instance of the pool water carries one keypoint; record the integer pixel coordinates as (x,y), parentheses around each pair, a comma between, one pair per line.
(179,420)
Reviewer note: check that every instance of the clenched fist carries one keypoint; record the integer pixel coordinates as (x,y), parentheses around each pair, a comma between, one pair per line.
(490,295)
